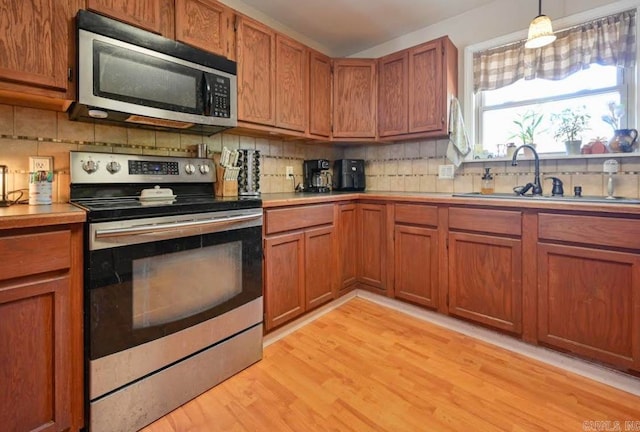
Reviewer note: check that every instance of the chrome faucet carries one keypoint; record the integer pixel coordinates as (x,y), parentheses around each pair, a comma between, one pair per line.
(537,186)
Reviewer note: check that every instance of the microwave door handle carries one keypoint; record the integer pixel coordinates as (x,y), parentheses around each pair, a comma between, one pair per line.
(208,96)
(211,225)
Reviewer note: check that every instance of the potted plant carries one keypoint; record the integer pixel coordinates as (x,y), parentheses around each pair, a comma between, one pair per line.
(527,125)
(569,125)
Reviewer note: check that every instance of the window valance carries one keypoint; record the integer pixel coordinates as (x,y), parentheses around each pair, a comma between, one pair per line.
(606,41)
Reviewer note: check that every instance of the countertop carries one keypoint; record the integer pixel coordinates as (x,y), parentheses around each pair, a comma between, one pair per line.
(287,199)
(25,216)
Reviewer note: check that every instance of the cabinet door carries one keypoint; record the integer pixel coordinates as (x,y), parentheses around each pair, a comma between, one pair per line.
(426,93)
(589,302)
(416,269)
(35,44)
(35,360)
(347,246)
(372,256)
(354,98)
(319,94)
(485,280)
(256,53)
(153,15)
(320,273)
(393,104)
(205,24)
(284,278)
(292,84)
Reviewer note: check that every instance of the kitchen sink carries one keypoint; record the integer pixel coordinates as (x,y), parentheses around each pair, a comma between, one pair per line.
(584,199)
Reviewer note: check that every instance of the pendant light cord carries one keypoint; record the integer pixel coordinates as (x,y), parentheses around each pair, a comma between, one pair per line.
(539,7)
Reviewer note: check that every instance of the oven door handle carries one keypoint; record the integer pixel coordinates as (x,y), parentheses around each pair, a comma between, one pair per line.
(212,224)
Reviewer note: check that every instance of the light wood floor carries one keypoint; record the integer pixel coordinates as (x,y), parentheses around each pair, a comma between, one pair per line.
(363,367)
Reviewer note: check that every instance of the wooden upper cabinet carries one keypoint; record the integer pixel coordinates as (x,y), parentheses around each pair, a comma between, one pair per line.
(37,46)
(292,84)
(256,54)
(393,97)
(153,15)
(205,24)
(433,75)
(415,87)
(354,98)
(319,94)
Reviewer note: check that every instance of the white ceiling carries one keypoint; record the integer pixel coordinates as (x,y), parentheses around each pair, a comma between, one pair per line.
(347,27)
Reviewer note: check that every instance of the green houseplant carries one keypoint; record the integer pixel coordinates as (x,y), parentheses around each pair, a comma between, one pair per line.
(527,125)
(569,125)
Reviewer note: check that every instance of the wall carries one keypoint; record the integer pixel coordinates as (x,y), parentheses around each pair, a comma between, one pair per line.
(28,132)
(399,168)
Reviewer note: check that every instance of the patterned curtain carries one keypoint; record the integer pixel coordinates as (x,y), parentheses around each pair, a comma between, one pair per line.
(606,41)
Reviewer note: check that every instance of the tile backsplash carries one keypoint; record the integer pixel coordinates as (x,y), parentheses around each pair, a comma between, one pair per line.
(401,167)
(413,167)
(28,132)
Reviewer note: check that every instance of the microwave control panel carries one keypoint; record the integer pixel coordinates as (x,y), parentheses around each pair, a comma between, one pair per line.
(221,89)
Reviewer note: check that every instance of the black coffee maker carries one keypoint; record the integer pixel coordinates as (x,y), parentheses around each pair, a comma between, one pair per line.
(315,174)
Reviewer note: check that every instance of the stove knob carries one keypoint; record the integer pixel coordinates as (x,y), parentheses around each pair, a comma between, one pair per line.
(189,168)
(204,169)
(90,166)
(113,167)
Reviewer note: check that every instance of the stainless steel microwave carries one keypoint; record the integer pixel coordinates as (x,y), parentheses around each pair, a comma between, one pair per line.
(130,76)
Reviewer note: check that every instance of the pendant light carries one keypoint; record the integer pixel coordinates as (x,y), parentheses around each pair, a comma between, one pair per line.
(540,31)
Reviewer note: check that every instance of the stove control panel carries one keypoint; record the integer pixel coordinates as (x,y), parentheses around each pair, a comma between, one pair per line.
(98,168)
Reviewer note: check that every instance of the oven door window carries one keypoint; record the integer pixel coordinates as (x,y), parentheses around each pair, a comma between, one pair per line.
(138,78)
(213,275)
(143,292)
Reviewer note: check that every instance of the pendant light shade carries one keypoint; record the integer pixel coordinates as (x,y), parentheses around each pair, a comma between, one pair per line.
(540,30)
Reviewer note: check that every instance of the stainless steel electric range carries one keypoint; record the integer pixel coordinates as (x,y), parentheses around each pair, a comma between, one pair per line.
(173,284)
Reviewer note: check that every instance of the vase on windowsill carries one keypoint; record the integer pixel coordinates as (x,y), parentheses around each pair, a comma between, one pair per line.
(624,141)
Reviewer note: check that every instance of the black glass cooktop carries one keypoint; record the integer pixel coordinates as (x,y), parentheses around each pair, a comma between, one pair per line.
(111,204)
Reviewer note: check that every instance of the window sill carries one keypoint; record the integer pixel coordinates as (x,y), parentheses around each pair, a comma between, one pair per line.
(557,156)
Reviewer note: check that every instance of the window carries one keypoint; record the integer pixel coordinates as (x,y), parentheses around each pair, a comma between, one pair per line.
(590,90)
(590,67)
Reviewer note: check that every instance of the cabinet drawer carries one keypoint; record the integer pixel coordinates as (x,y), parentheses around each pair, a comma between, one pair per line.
(597,230)
(28,254)
(417,214)
(485,220)
(292,218)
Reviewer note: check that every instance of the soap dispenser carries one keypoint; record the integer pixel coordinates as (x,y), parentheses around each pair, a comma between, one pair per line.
(487,186)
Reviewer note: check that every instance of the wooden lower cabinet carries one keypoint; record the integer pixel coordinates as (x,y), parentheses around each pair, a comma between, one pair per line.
(416,265)
(40,330)
(299,269)
(372,251)
(485,280)
(319,266)
(589,302)
(284,278)
(347,239)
